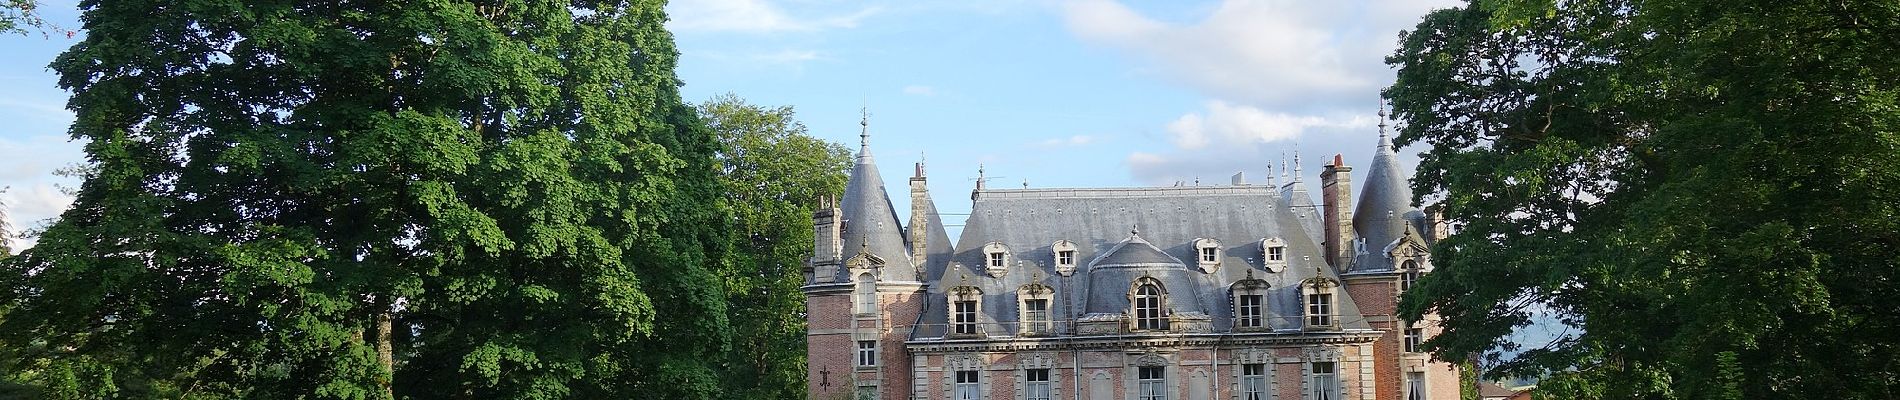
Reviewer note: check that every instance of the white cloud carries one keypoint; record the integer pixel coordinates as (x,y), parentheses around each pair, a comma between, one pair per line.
(920,90)
(754,16)
(1072,141)
(1274,73)
(1269,53)
(1231,124)
(33,194)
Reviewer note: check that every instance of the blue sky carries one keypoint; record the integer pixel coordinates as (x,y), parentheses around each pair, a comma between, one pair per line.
(1082,93)
(1058,93)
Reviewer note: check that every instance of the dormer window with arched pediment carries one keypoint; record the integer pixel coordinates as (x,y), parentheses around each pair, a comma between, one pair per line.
(1148,305)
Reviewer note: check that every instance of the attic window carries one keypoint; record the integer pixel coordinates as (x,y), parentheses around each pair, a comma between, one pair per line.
(996,258)
(1320,303)
(1408,275)
(1273,250)
(1207,254)
(1064,252)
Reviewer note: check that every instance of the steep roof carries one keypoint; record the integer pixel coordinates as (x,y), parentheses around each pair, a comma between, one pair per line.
(1385,207)
(1098,221)
(870,222)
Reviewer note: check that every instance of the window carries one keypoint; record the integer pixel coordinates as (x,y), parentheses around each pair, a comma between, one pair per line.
(1413,336)
(1207,254)
(867,392)
(1148,308)
(1324,382)
(1276,253)
(867,353)
(1408,275)
(965,317)
(1037,386)
(1319,309)
(1036,316)
(1065,252)
(996,260)
(1210,254)
(1415,386)
(1152,384)
(967,388)
(1065,257)
(1253,382)
(1319,303)
(1247,311)
(867,294)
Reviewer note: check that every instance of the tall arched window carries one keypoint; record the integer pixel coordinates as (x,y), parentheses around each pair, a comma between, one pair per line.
(1408,275)
(867,294)
(1147,304)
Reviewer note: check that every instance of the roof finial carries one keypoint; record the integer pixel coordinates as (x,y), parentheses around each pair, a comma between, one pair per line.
(864,130)
(1025,183)
(1134,230)
(1270,180)
(1298,169)
(979,176)
(1283,169)
(1384,142)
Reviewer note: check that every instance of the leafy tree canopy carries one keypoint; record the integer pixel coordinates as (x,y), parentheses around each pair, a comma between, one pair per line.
(1706,192)
(773,174)
(352,200)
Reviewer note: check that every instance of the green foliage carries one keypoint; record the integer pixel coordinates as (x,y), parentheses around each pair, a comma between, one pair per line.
(17,15)
(773,174)
(1707,192)
(516,183)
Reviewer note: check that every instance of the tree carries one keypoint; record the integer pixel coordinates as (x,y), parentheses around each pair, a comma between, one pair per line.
(350,200)
(773,175)
(16,15)
(1705,192)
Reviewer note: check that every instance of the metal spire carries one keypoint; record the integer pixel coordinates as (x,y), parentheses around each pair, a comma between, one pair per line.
(1384,142)
(864,130)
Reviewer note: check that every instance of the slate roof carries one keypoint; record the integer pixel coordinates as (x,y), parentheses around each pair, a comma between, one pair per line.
(1384,209)
(1169,219)
(870,222)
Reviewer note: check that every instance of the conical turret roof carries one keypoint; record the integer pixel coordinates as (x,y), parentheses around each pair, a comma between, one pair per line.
(1385,204)
(870,222)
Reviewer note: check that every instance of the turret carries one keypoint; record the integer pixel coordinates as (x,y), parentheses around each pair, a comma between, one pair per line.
(870,222)
(1385,206)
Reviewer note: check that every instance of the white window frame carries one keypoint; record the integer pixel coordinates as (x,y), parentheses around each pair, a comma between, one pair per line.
(968,386)
(1325,384)
(1151,383)
(1034,389)
(866,294)
(1415,386)
(1413,338)
(965,322)
(1253,381)
(1148,305)
(867,355)
(1320,303)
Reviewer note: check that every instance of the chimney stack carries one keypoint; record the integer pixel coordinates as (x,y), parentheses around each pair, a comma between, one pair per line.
(1336,197)
(827,242)
(919,232)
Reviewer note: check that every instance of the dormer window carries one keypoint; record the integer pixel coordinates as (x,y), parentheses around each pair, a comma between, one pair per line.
(1273,251)
(1319,299)
(996,258)
(1207,254)
(1034,309)
(1250,303)
(964,303)
(867,294)
(1147,301)
(1408,275)
(1065,256)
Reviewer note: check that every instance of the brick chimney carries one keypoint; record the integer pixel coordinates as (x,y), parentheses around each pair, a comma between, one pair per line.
(1336,197)
(919,233)
(827,242)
